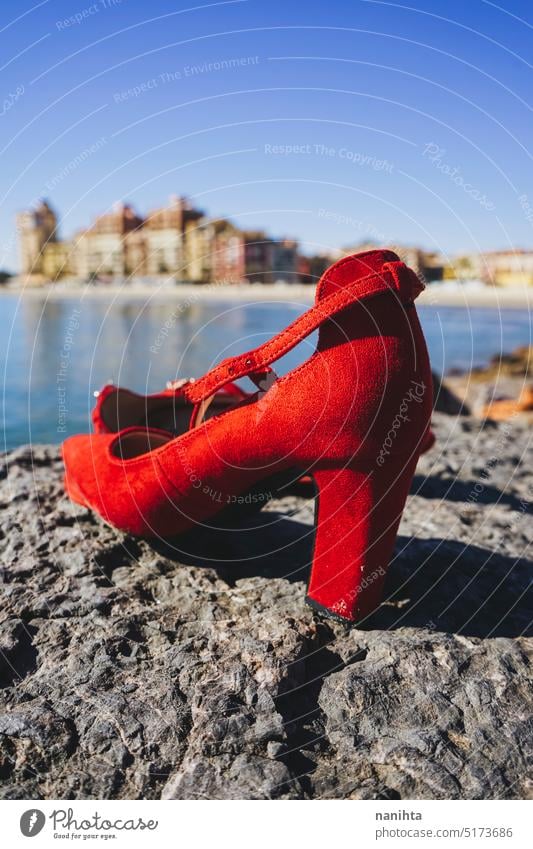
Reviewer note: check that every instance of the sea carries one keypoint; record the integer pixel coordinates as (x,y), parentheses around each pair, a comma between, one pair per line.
(57,351)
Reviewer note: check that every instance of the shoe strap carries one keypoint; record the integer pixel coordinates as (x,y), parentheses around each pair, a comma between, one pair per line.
(394,277)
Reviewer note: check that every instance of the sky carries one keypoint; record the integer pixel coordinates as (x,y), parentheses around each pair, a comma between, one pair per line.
(330,122)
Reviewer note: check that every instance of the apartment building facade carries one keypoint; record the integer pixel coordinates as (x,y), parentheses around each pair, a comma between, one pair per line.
(507,268)
(175,240)
(37,231)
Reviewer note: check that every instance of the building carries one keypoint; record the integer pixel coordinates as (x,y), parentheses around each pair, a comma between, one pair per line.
(227,252)
(284,261)
(119,243)
(198,260)
(56,260)
(464,267)
(507,268)
(435,266)
(429,265)
(257,256)
(109,246)
(164,232)
(311,268)
(37,231)
(412,256)
(178,240)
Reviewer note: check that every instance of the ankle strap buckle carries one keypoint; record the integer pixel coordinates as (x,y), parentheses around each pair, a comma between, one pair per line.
(179,383)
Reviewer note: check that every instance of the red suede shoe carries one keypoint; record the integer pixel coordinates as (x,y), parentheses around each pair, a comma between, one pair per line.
(117,408)
(355,415)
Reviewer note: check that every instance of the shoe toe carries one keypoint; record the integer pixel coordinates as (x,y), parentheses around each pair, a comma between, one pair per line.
(80,460)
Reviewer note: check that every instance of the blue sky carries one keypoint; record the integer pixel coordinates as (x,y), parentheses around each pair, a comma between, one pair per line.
(329,122)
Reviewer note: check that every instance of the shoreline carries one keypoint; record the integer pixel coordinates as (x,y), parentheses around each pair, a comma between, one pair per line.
(435,295)
(185,292)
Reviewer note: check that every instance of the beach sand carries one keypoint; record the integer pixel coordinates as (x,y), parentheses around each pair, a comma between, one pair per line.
(436,294)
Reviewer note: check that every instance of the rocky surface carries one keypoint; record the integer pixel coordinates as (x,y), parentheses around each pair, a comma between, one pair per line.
(508,377)
(194,670)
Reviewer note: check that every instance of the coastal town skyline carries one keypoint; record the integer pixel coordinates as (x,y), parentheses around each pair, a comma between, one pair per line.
(411,125)
(185,243)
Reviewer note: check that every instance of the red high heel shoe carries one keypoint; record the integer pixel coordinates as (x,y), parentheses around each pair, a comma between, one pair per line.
(117,408)
(355,415)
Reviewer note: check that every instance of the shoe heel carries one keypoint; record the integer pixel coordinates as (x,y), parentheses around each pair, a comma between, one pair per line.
(357,517)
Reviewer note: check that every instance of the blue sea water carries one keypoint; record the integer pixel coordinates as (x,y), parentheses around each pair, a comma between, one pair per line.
(56,352)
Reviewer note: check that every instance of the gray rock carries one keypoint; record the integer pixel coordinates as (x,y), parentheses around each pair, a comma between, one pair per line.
(192,669)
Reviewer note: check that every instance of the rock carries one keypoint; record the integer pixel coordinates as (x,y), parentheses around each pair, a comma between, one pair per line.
(500,391)
(445,400)
(519,363)
(192,668)
(506,408)
(417,718)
